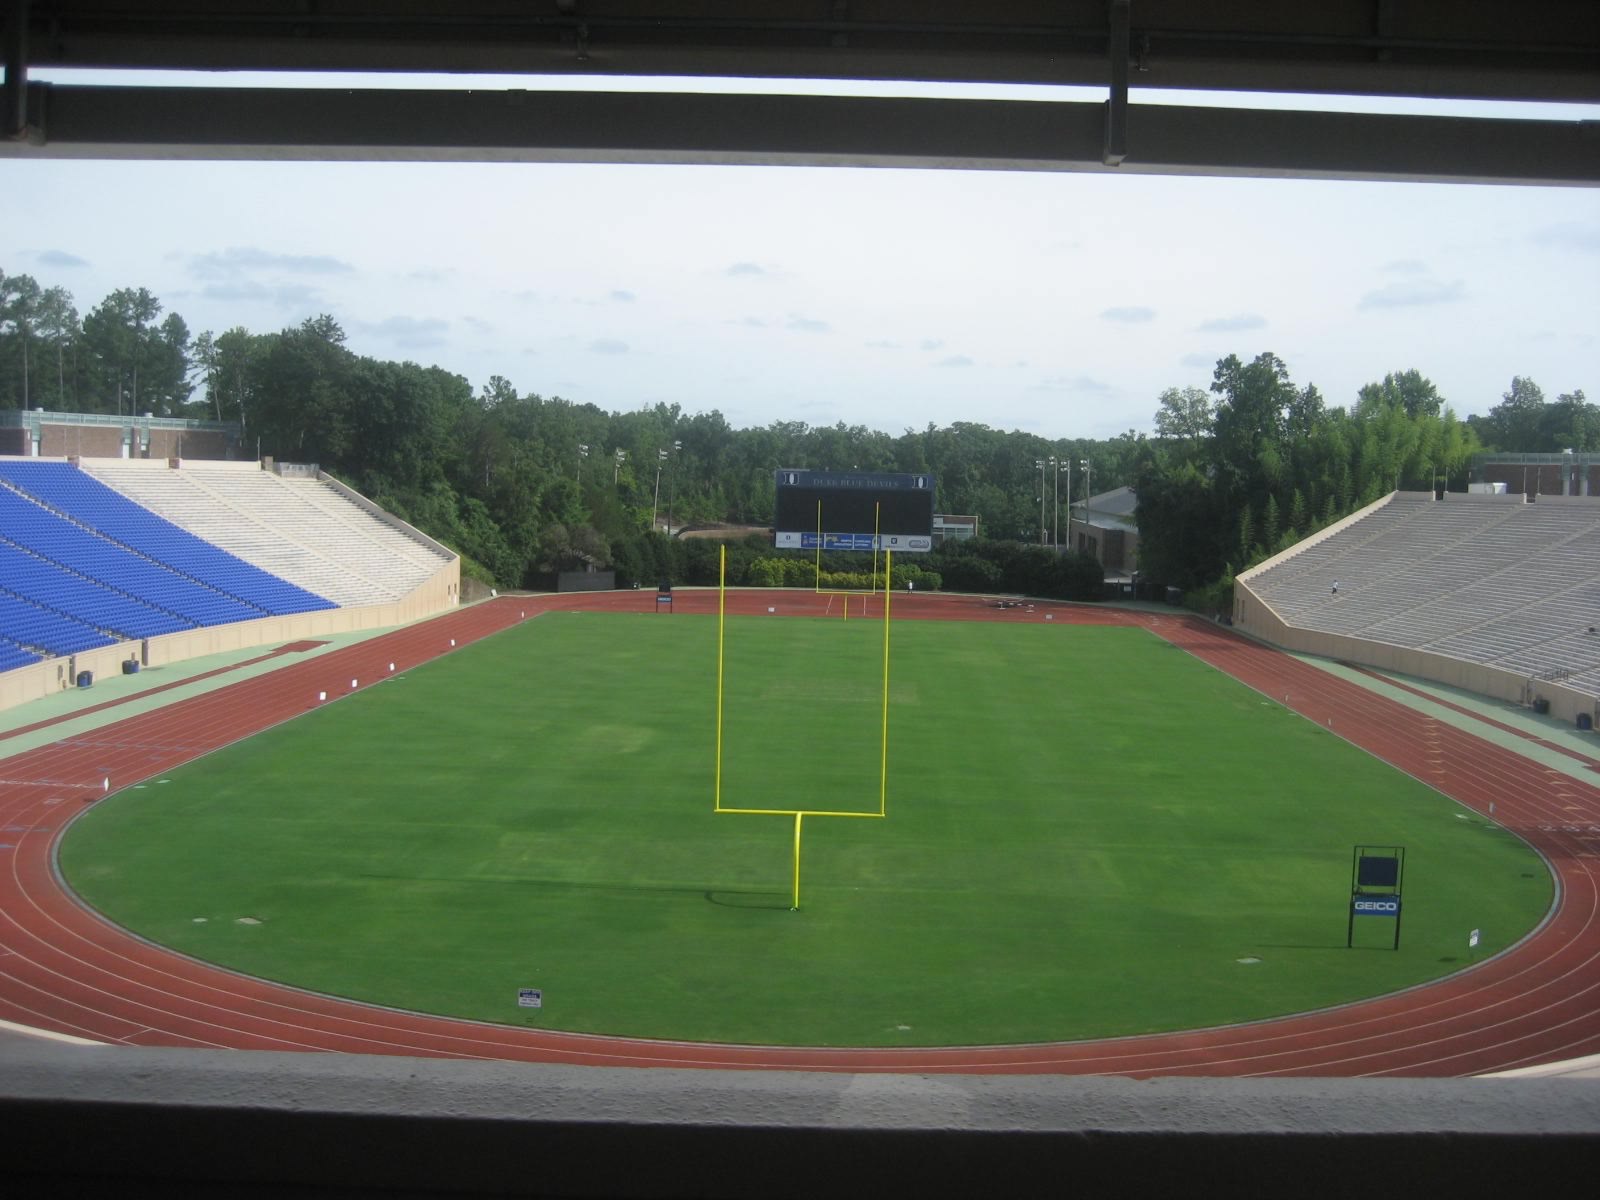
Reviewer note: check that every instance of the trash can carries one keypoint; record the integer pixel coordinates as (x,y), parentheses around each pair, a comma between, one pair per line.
(130,666)
(85,679)
(1585,721)
(1541,705)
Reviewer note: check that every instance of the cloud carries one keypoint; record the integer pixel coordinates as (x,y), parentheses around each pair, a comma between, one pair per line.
(806,324)
(1406,266)
(283,295)
(622,297)
(428,275)
(745,268)
(1198,360)
(1132,315)
(238,259)
(955,360)
(932,344)
(410,332)
(1414,293)
(477,324)
(608,346)
(1569,236)
(750,323)
(1233,324)
(1074,383)
(60,258)
(881,344)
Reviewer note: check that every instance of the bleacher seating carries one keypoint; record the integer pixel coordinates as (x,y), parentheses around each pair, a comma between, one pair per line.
(1484,579)
(36,528)
(112,551)
(51,586)
(68,490)
(13,655)
(302,530)
(31,626)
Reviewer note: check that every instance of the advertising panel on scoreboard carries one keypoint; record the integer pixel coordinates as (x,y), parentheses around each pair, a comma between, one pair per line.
(853,510)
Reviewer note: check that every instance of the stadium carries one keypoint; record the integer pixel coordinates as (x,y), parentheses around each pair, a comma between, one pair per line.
(1457,690)
(72,969)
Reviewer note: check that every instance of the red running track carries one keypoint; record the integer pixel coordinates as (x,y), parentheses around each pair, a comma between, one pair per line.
(65,969)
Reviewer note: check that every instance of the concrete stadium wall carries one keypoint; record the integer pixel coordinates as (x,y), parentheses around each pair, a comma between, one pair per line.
(117,1120)
(23,684)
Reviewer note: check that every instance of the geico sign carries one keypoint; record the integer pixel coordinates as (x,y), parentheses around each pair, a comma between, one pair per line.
(1377,908)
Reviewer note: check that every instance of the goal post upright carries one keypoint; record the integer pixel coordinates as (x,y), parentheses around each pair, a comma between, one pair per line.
(883,778)
(722,619)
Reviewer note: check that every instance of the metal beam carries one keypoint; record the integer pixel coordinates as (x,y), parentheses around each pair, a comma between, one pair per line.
(458,126)
(1534,49)
(16,64)
(1116,147)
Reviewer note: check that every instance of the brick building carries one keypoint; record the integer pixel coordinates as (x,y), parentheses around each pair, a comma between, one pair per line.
(35,433)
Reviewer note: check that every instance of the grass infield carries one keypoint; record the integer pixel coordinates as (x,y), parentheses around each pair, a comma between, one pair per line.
(1089,833)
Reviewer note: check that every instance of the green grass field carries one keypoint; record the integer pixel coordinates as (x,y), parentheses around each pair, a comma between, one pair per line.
(1087,831)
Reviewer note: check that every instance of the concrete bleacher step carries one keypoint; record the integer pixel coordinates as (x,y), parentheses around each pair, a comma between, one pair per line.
(1477,578)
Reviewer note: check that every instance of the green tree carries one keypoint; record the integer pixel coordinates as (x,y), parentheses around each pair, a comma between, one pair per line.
(1570,422)
(1408,390)
(59,333)
(1185,417)
(1514,424)
(20,300)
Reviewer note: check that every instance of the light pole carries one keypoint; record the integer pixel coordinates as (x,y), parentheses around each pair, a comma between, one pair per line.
(672,483)
(1055,500)
(583,453)
(661,457)
(1066,465)
(1039,462)
(616,468)
(1088,482)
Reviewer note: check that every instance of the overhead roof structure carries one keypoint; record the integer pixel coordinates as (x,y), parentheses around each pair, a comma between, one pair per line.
(1547,50)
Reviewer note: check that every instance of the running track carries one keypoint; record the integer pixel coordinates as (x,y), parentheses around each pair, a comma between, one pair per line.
(64,969)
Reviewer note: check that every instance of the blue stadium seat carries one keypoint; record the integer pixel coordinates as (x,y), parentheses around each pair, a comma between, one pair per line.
(53,587)
(29,625)
(13,655)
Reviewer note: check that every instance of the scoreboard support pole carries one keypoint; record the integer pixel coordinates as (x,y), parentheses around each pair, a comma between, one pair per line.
(801,814)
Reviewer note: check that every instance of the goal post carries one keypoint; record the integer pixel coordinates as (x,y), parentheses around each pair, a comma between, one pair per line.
(799,814)
(877,537)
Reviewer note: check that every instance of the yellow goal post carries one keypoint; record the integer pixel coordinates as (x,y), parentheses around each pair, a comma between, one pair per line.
(799,814)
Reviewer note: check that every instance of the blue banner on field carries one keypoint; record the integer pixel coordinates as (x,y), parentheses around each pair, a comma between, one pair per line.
(1375,906)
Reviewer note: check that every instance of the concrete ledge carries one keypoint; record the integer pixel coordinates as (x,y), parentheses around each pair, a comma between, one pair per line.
(175,1122)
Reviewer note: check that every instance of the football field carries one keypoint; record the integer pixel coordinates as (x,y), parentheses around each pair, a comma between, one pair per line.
(1088,833)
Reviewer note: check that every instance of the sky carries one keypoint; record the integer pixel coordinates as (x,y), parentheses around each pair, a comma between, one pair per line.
(1059,304)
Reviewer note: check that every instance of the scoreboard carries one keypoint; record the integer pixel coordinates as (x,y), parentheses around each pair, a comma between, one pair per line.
(853,510)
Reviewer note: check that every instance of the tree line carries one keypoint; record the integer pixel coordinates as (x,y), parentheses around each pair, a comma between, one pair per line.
(526,485)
